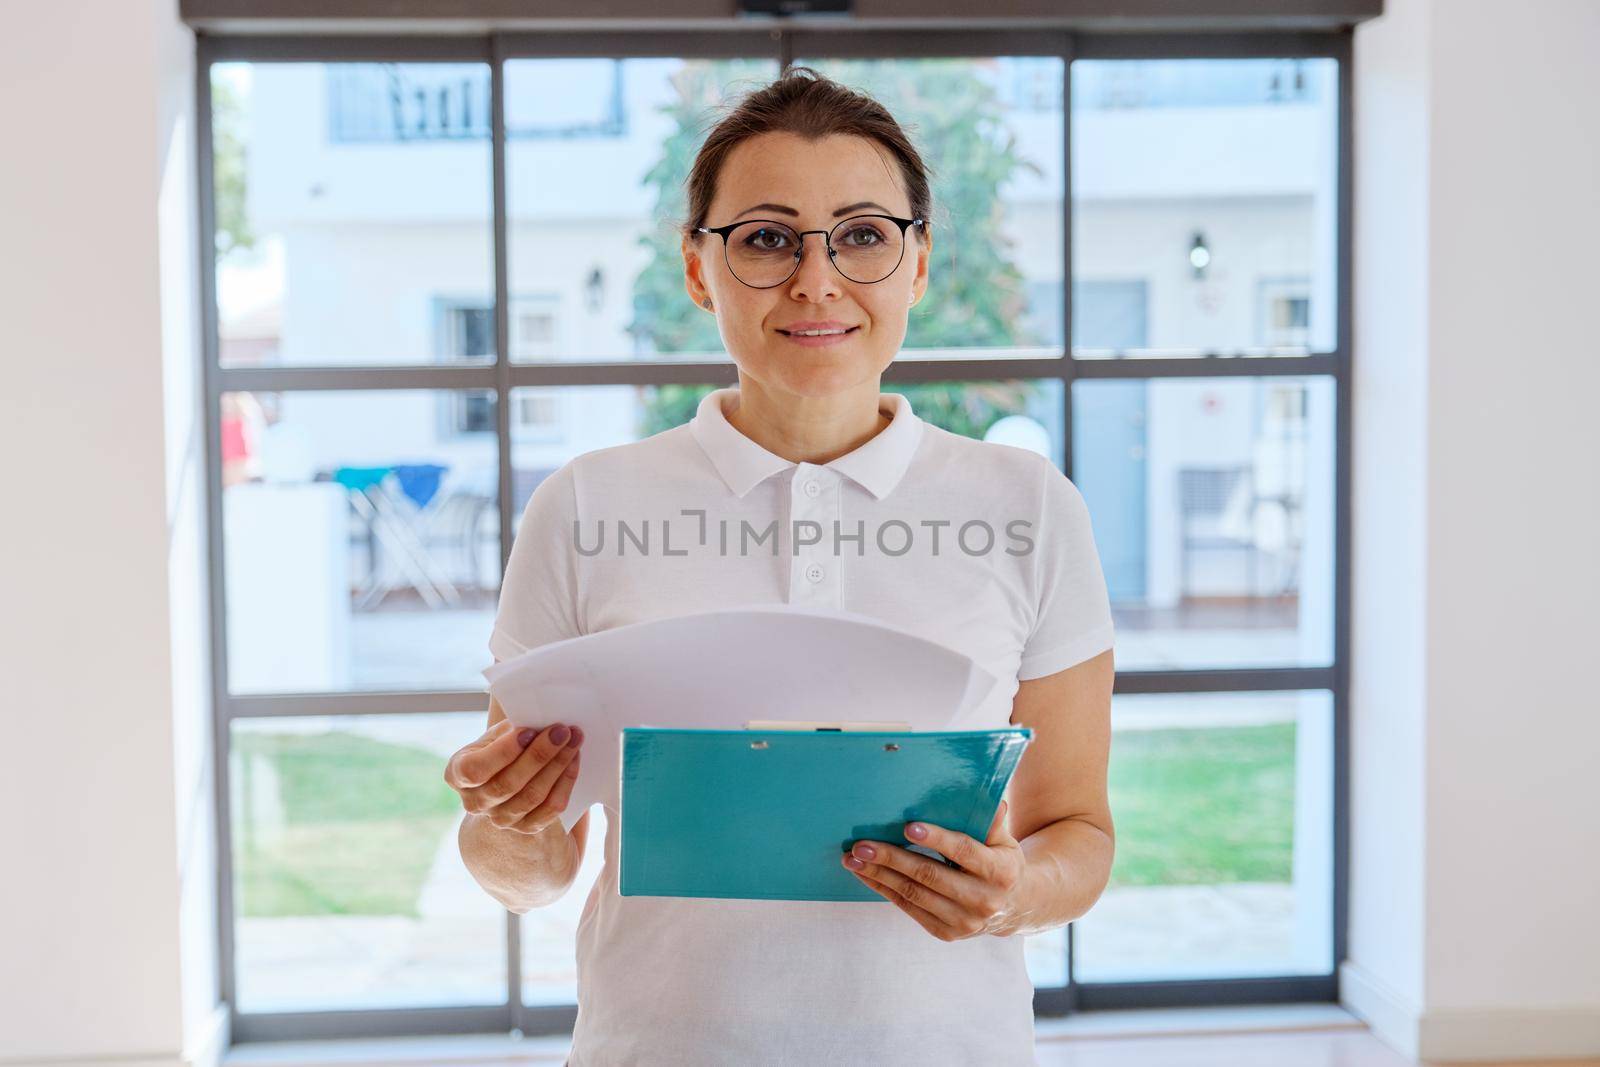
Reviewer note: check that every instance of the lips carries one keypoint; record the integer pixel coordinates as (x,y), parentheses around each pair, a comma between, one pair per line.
(831,327)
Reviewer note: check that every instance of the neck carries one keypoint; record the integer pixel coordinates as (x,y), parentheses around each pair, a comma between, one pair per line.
(808,429)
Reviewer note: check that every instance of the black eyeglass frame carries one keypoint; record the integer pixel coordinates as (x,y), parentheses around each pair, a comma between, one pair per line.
(827,241)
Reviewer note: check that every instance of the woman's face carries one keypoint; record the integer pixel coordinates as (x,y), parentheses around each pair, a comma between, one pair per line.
(814,179)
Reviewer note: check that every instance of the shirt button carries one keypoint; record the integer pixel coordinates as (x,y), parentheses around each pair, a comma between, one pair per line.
(814,573)
(812,489)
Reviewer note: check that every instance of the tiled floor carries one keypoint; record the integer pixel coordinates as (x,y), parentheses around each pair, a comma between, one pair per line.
(1312,1049)
(1292,1035)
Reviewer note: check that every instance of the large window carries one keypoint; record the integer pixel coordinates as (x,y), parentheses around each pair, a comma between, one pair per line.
(437,276)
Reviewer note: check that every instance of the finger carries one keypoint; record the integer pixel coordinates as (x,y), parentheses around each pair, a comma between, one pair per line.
(537,805)
(475,765)
(554,804)
(488,736)
(491,733)
(928,884)
(972,857)
(524,763)
(965,888)
(925,919)
(554,746)
(999,832)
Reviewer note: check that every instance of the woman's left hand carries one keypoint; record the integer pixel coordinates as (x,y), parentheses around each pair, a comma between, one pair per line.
(950,904)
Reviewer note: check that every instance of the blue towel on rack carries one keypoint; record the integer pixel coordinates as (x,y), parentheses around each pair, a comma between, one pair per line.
(420,481)
(360,479)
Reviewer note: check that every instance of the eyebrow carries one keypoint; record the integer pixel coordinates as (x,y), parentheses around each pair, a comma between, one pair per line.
(840,213)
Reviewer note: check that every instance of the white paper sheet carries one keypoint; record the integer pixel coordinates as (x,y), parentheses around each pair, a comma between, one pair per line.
(720,669)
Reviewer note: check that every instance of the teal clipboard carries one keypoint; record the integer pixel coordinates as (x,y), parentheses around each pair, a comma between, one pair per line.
(767,814)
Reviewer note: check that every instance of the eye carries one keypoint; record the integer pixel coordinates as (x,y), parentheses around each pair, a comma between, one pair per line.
(766,240)
(868,236)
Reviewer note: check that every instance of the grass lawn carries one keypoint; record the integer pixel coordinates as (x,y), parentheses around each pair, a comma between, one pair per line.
(1204,806)
(362,818)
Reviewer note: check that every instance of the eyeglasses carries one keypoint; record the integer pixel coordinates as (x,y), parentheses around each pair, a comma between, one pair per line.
(763,253)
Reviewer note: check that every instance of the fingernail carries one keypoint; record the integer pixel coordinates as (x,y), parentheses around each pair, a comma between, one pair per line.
(866,852)
(916,831)
(577,736)
(559,734)
(525,738)
(853,863)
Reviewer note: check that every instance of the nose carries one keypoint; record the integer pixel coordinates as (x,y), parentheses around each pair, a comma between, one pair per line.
(815,280)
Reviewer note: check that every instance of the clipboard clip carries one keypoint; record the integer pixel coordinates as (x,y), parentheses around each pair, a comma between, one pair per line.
(820,726)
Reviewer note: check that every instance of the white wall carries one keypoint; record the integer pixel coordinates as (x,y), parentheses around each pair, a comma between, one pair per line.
(106,908)
(1475,866)
(1514,500)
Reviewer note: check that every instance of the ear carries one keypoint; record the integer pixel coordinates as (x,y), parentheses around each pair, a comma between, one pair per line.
(694,273)
(919,283)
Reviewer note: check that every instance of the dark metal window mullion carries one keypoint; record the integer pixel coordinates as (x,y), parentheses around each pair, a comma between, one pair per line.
(1344,154)
(1068,998)
(211,392)
(1065,368)
(502,416)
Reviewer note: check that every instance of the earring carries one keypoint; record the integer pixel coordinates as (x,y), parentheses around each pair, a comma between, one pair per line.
(706,303)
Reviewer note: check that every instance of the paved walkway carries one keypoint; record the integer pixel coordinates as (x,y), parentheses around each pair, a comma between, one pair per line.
(453,954)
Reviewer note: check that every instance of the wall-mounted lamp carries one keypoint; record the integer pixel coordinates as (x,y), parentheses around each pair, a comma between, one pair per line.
(1199,256)
(594,289)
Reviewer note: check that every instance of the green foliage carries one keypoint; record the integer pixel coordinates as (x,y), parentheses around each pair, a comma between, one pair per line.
(967,408)
(974,297)
(663,314)
(228,168)
(667,406)
(975,294)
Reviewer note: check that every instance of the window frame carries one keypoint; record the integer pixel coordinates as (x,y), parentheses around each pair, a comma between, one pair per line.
(782,45)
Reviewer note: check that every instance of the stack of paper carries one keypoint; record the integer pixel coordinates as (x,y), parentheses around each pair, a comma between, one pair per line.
(721,669)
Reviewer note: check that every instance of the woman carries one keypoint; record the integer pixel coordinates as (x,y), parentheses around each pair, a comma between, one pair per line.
(876,511)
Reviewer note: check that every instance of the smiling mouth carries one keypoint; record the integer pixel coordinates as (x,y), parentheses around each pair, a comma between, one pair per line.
(824,333)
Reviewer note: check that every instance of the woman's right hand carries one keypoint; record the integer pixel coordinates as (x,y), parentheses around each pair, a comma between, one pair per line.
(519,779)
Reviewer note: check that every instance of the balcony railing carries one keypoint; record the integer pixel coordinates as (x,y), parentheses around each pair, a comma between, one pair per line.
(428,102)
(1122,84)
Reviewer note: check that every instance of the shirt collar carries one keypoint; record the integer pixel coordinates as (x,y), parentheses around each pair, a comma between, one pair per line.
(876,466)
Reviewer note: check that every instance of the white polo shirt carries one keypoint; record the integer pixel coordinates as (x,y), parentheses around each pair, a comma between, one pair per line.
(983,547)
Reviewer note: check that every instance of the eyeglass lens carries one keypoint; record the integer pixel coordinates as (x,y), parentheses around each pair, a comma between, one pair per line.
(866,249)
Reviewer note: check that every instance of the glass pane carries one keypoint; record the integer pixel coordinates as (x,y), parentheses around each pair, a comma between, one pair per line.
(353,208)
(1212,505)
(597,152)
(1046,955)
(361,539)
(1223,804)
(990,129)
(349,890)
(1027,414)
(1204,206)
(553,424)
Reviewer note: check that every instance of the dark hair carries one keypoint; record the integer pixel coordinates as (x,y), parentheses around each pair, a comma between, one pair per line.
(804,102)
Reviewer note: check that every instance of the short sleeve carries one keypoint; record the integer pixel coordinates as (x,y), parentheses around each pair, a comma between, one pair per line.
(1073,617)
(539,592)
